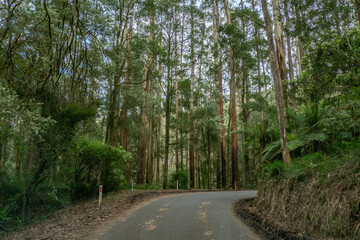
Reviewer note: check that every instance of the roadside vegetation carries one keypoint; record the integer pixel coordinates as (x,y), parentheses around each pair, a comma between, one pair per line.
(204,94)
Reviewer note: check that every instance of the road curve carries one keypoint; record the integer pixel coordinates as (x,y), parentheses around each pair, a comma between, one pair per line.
(195,216)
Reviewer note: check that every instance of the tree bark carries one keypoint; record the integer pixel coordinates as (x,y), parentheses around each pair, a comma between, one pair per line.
(244,115)
(182,78)
(112,127)
(126,83)
(209,158)
(192,80)
(234,137)
(150,150)
(158,149)
(127,169)
(146,106)
(167,117)
(357,11)
(176,98)
(167,134)
(277,84)
(158,172)
(288,43)
(280,49)
(113,115)
(221,98)
(299,45)
(2,157)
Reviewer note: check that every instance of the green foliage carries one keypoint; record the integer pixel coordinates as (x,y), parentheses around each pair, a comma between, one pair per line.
(20,117)
(273,170)
(331,67)
(182,177)
(303,168)
(10,187)
(72,114)
(152,186)
(98,160)
(273,149)
(306,167)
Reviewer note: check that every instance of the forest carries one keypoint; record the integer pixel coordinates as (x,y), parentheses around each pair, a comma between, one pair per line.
(212,94)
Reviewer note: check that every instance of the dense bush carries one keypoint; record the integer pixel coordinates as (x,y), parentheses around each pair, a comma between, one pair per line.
(309,165)
(98,163)
(182,177)
(43,167)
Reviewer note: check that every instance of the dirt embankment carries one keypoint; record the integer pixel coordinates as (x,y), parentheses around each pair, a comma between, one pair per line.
(82,220)
(265,227)
(325,206)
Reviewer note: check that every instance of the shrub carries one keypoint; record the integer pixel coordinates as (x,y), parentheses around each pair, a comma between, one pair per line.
(272,170)
(182,177)
(97,160)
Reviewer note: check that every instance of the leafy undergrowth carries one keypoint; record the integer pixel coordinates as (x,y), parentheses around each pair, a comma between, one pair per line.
(317,196)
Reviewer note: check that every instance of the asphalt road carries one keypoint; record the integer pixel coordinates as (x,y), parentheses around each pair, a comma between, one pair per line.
(193,216)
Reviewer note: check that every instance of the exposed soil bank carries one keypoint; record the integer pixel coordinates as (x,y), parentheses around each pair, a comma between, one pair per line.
(263,226)
(317,206)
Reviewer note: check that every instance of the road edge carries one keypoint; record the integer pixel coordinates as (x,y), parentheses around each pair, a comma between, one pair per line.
(262,226)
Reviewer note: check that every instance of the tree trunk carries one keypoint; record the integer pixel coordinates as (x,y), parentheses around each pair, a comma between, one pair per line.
(209,159)
(182,78)
(357,11)
(245,118)
(244,115)
(158,179)
(167,117)
(146,107)
(234,138)
(112,128)
(142,153)
(2,157)
(167,134)
(288,43)
(113,115)
(150,150)
(218,59)
(280,49)
(158,150)
(192,80)
(198,160)
(277,84)
(176,97)
(218,169)
(299,45)
(126,83)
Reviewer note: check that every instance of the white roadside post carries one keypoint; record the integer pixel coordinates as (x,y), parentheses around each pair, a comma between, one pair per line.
(177,184)
(100,196)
